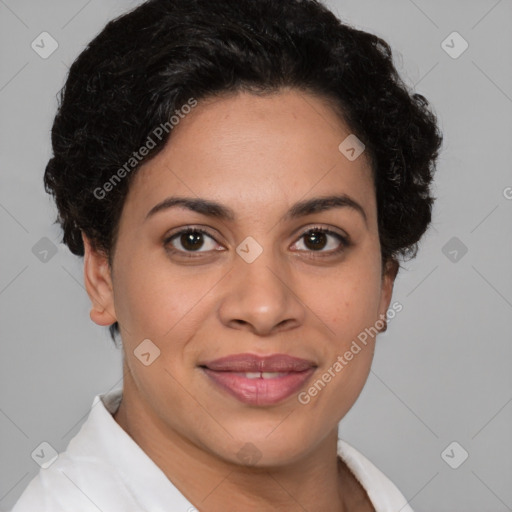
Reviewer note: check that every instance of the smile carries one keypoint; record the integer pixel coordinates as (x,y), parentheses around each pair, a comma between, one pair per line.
(259,380)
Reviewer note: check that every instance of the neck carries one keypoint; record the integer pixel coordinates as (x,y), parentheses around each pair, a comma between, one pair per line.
(318,482)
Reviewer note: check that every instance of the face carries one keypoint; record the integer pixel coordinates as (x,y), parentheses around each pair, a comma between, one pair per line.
(266,273)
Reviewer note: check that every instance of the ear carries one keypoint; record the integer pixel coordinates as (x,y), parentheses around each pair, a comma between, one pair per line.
(98,283)
(388,280)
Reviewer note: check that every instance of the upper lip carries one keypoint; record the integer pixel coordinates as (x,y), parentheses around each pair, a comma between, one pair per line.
(255,363)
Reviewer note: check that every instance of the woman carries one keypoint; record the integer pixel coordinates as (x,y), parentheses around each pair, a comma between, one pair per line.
(242,179)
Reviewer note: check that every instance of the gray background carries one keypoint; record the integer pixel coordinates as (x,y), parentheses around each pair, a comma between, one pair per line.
(441,372)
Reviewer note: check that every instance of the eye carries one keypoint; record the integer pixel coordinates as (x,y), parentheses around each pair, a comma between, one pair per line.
(316,239)
(190,240)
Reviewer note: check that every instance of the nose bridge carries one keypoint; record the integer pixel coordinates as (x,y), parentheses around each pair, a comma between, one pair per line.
(260,293)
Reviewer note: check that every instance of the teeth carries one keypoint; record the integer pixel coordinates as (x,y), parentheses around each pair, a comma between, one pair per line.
(263,375)
(272,375)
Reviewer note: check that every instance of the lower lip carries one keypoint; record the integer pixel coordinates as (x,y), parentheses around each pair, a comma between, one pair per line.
(260,391)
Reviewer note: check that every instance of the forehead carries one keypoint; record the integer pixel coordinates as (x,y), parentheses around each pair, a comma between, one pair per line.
(254,151)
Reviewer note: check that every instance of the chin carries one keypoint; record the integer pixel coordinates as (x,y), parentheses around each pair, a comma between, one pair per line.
(254,447)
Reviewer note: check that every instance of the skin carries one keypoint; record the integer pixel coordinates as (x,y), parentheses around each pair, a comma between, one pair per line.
(258,155)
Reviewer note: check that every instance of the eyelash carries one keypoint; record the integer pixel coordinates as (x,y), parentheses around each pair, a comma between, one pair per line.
(344,241)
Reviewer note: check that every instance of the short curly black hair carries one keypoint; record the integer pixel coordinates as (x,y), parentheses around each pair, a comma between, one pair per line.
(147,64)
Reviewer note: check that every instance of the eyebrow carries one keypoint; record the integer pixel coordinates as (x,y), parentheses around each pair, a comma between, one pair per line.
(211,208)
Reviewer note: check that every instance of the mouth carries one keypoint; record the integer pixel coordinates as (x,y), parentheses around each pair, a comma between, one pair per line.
(259,380)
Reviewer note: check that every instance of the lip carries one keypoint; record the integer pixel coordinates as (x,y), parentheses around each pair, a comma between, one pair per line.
(227,374)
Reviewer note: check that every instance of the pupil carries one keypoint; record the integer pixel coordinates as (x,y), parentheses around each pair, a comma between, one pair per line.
(317,239)
(192,241)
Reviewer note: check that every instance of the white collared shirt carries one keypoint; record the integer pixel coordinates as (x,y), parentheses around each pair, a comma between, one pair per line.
(104,470)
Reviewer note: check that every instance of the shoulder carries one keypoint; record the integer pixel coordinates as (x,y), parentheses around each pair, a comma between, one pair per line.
(78,484)
(383,493)
(82,478)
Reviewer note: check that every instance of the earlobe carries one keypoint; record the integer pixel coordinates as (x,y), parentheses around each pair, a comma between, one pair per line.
(98,283)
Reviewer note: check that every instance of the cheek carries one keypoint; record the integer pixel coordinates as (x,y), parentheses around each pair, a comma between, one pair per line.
(146,303)
(350,300)
(158,300)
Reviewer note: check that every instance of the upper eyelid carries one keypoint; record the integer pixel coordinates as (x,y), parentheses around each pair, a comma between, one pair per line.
(192,228)
(331,230)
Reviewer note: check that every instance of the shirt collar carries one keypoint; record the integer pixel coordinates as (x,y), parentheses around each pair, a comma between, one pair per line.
(105,438)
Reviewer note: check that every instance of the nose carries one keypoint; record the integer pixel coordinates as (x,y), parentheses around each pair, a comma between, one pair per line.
(261,297)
